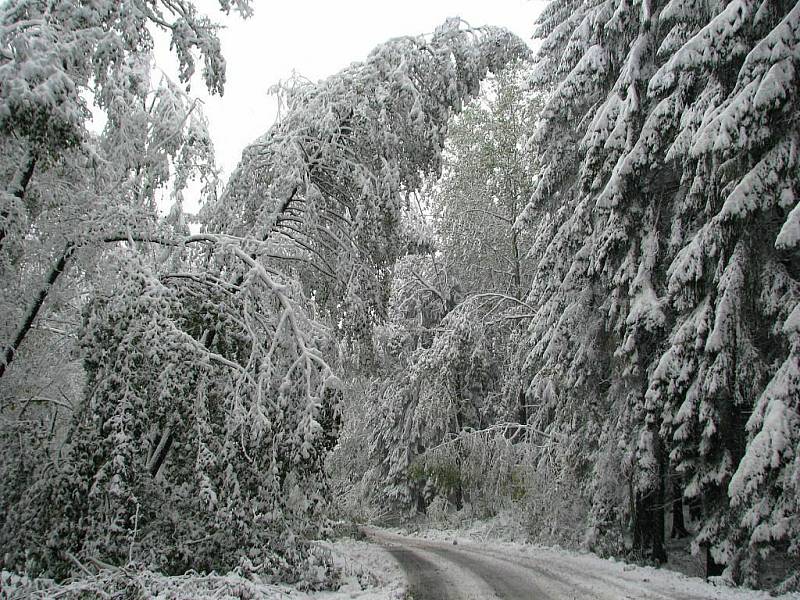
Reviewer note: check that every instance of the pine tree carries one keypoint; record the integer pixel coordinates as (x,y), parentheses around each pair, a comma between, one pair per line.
(652,285)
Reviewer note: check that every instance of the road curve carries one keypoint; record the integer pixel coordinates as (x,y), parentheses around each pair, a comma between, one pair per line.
(439,570)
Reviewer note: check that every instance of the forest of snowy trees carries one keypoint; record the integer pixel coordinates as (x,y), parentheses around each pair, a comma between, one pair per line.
(456,278)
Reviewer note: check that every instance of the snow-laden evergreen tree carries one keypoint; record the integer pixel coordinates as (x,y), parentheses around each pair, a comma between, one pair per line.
(668,264)
(68,193)
(211,363)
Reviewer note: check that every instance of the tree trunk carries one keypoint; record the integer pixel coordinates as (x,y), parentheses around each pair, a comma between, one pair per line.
(36,306)
(161,452)
(518,434)
(458,492)
(712,567)
(517,275)
(458,495)
(648,534)
(659,530)
(422,506)
(18,187)
(678,522)
(648,523)
(695,509)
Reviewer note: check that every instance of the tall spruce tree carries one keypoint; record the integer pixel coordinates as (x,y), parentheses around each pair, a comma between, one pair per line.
(667,263)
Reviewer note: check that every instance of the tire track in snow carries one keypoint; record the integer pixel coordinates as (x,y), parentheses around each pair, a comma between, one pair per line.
(510,583)
(573,583)
(428,565)
(578,578)
(504,574)
(425,581)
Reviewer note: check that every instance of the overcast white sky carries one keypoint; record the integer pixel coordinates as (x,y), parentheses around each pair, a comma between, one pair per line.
(318,38)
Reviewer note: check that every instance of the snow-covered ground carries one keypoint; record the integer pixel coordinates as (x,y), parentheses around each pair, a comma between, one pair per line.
(369,574)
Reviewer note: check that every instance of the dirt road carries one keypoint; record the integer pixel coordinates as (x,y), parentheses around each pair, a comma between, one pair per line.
(438,570)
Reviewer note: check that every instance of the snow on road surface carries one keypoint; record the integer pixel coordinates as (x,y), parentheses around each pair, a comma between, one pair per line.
(466,570)
(435,569)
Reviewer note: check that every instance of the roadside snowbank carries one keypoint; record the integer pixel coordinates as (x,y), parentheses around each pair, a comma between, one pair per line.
(369,573)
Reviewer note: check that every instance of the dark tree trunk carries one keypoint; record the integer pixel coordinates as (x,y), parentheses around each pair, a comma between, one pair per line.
(422,506)
(695,509)
(648,518)
(678,523)
(517,434)
(516,278)
(458,495)
(648,532)
(36,306)
(458,491)
(712,567)
(659,531)
(161,452)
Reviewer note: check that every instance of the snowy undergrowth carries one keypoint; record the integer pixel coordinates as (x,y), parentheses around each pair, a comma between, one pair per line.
(446,524)
(366,573)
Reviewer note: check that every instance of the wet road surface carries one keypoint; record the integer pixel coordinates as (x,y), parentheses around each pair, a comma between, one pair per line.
(438,570)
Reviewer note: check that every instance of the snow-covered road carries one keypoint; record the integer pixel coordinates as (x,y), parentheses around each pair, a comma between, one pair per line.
(440,570)
(435,569)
